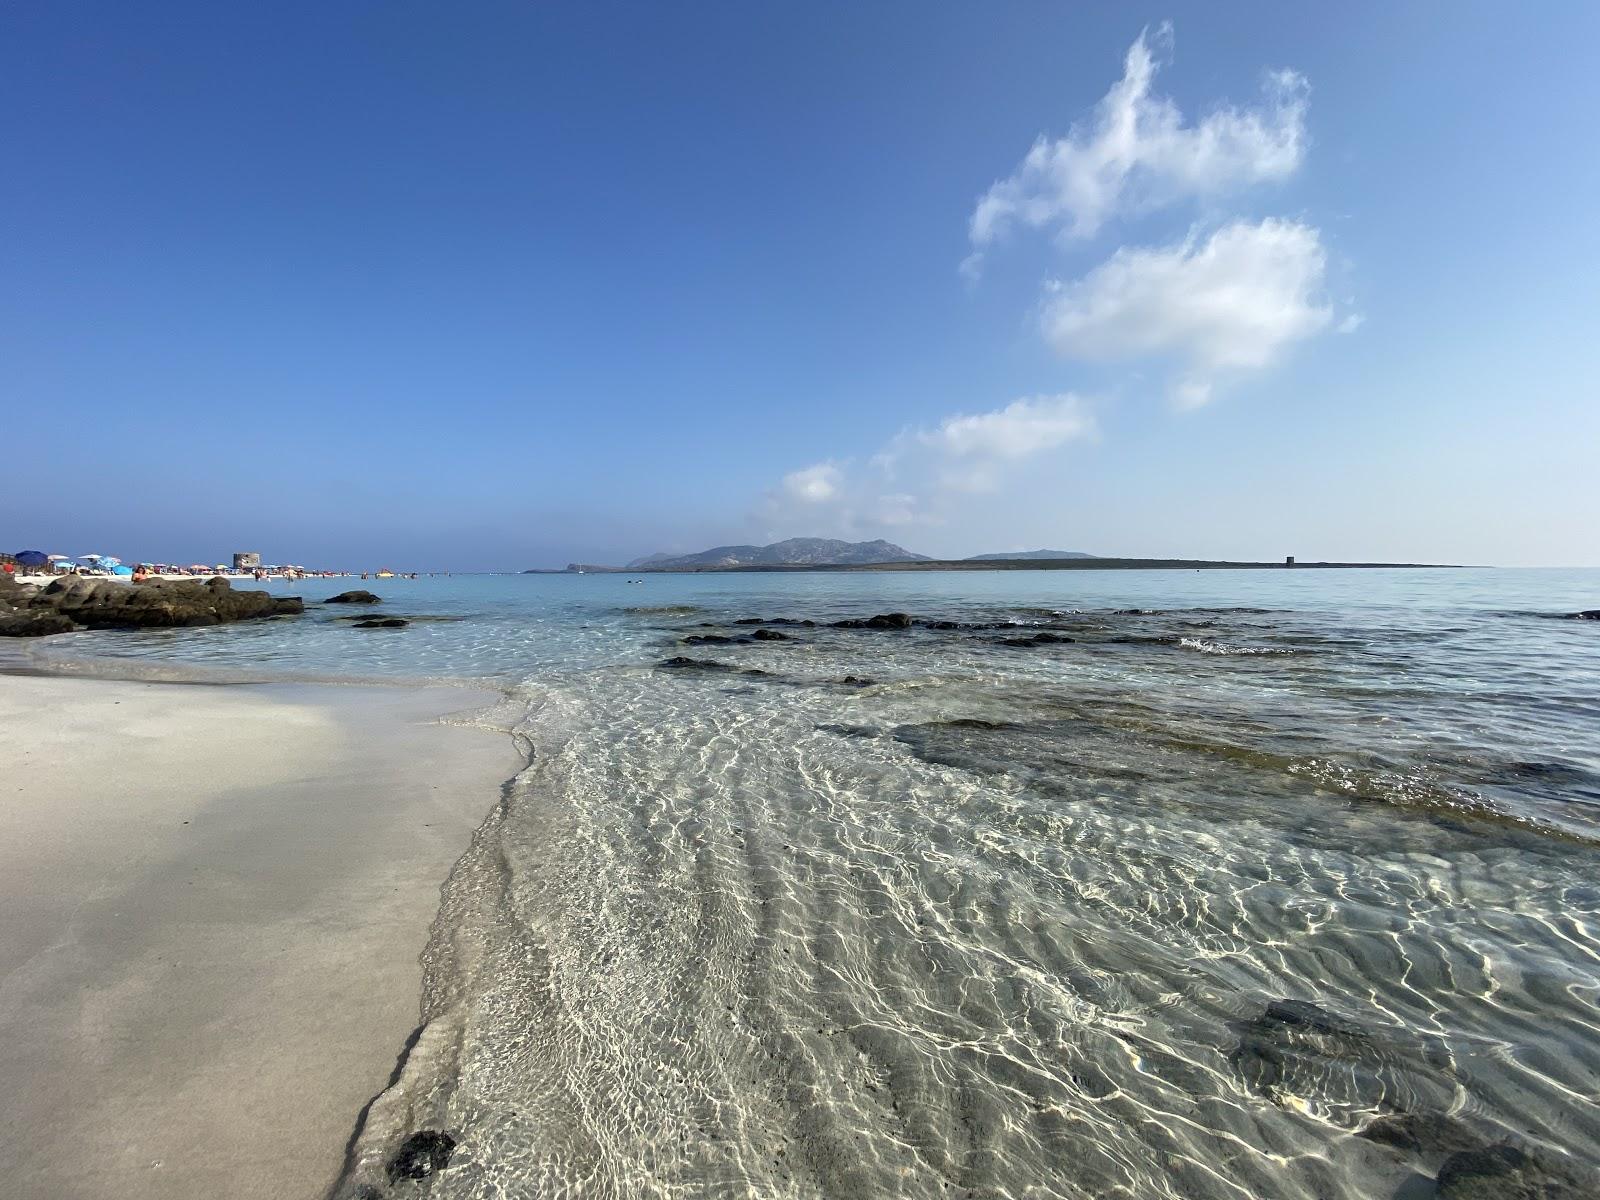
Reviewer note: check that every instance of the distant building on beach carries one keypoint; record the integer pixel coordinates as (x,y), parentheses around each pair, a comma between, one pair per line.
(246,560)
(1289,562)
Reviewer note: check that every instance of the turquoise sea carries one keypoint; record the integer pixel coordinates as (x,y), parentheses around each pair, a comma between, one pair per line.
(1132,884)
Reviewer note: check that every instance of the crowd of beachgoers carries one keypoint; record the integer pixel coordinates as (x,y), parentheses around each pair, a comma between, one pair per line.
(37,564)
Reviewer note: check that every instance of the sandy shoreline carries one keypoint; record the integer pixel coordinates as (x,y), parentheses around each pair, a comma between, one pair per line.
(212,900)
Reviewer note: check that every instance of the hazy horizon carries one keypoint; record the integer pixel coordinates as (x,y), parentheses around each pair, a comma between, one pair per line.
(505,288)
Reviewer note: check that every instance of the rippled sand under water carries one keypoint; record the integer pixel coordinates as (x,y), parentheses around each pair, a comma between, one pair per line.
(1115,913)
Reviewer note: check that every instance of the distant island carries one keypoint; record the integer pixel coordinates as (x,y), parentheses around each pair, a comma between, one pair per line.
(831,554)
(1029,555)
(810,552)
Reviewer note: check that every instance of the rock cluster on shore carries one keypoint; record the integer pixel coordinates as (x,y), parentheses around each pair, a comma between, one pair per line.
(75,602)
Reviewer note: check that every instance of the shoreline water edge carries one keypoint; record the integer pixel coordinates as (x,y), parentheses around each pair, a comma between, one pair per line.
(1168,887)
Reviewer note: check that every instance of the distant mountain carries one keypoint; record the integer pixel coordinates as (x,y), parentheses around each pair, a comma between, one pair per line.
(1019,554)
(795,551)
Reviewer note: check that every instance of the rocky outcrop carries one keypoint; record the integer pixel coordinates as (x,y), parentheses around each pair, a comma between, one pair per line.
(34,624)
(80,602)
(358,596)
(382,623)
(895,620)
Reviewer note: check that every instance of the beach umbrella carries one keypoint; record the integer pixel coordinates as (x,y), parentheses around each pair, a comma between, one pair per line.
(107,561)
(31,558)
(88,558)
(60,558)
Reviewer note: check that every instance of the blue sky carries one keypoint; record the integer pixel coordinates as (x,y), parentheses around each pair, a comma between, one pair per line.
(500,285)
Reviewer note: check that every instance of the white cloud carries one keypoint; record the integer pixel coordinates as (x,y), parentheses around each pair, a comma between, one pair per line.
(1231,303)
(1136,153)
(815,484)
(1021,428)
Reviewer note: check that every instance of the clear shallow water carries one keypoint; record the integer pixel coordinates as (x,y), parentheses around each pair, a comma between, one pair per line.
(995,919)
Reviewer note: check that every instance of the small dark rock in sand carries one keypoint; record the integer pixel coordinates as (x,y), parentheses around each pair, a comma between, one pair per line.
(896,620)
(423,1153)
(1422,1133)
(382,623)
(769,635)
(358,596)
(1504,1172)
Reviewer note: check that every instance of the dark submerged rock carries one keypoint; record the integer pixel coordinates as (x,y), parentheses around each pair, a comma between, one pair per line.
(895,620)
(681,663)
(423,1153)
(1504,1172)
(857,681)
(849,731)
(1039,639)
(977,723)
(382,623)
(356,596)
(711,639)
(1588,614)
(1421,1133)
(769,635)
(1311,1016)
(1291,1032)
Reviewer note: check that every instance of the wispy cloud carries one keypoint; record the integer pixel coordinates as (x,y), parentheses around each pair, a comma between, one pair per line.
(922,472)
(1230,303)
(815,484)
(1136,152)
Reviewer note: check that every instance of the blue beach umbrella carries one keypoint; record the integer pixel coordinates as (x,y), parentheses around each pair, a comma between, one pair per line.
(31,558)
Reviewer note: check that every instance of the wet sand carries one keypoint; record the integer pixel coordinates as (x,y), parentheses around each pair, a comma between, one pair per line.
(212,900)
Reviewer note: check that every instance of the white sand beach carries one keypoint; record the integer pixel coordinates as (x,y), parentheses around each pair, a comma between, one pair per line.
(212,900)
